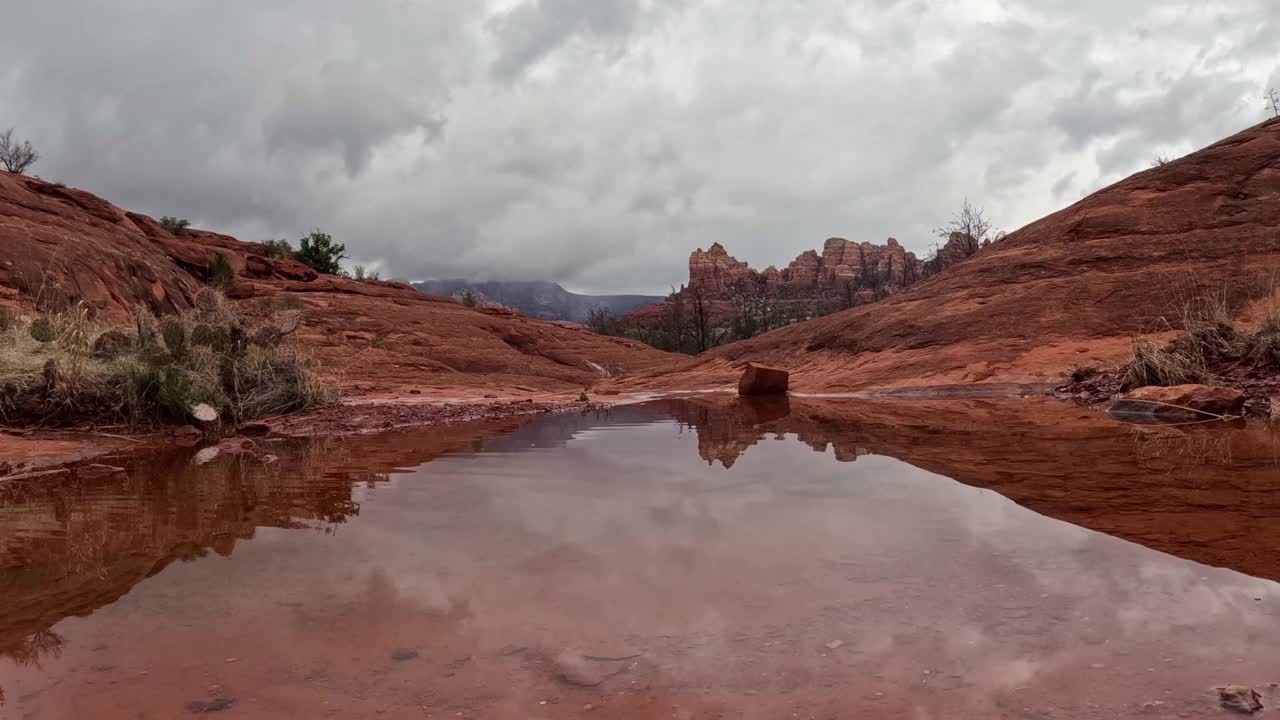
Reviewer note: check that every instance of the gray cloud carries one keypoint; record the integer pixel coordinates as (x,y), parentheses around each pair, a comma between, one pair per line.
(598,142)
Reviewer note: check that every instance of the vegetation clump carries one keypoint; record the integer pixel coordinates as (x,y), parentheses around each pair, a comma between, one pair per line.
(1210,347)
(176,226)
(66,367)
(317,251)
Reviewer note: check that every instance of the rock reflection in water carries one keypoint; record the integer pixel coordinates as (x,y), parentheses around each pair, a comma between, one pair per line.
(449,573)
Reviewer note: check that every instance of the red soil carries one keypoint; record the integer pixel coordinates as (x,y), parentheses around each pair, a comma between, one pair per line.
(60,246)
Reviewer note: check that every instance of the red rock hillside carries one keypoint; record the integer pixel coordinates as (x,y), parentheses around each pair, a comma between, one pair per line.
(1068,290)
(60,246)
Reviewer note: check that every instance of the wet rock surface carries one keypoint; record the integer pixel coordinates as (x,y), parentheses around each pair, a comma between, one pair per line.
(1182,401)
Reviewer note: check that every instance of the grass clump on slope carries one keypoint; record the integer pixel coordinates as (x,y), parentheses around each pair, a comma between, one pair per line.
(64,367)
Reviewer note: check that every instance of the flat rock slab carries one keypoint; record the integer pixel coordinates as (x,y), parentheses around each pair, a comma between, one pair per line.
(1180,402)
(761,380)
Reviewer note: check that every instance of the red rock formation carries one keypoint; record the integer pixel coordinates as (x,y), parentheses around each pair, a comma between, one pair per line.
(60,247)
(715,270)
(841,264)
(1069,290)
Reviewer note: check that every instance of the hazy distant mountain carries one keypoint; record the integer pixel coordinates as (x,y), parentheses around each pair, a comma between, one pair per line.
(538,299)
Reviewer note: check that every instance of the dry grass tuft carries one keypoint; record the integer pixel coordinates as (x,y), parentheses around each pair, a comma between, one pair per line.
(1156,365)
(62,367)
(1210,343)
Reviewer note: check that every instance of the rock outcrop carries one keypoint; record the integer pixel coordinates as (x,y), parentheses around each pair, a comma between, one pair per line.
(842,265)
(1066,291)
(61,247)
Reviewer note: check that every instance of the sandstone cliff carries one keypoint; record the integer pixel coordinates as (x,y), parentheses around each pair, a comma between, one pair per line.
(60,247)
(842,265)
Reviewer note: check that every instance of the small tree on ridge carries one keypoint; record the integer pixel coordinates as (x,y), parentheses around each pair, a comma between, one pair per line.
(14,156)
(319,252)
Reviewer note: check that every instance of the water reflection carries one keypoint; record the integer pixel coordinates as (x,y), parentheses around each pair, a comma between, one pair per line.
(750,575)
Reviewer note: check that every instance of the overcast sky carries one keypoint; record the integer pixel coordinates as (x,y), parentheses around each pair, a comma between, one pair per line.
(598,142)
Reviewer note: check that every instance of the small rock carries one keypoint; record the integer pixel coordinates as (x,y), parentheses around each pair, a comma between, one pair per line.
(834,645)
(403,654)
(205,413)
(268,459)
(583,671)
(583,397)
(415,392)
(1241,699)
(210,706)
(206,455)
(491,396)
(588,707)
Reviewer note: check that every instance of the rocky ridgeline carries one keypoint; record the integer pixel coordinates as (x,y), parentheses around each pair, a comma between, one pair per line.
(843,265)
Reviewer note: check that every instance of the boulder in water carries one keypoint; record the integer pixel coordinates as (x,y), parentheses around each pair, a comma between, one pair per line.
(761,380)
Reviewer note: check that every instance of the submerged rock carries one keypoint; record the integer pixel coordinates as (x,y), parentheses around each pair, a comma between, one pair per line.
(582,670)
(760,380)
(1241,699)
(206,455)
(1181,401)
(210,706)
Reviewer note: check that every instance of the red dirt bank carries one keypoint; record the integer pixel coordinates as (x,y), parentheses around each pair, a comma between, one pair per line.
(1068,290)
(60,246)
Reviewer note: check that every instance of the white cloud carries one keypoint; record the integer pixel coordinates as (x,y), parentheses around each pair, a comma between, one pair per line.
(597,143)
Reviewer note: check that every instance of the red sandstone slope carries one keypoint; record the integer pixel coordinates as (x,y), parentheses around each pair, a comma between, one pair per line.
(1068,290)
(60,246)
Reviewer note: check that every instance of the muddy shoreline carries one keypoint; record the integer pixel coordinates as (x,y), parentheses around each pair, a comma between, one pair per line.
(36,452)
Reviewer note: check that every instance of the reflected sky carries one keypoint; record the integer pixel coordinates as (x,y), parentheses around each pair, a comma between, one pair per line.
(788,582)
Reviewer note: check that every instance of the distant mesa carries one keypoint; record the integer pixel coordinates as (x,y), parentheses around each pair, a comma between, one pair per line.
(537,299)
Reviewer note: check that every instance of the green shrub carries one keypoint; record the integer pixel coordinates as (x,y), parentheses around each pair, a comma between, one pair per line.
(41,330)
(221,274)
(177,226)
(280,249)
(469,299)
(319,252)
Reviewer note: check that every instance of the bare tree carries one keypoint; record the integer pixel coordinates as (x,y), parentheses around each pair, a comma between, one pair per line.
(1273,101)
(968,232)
(1160,160)
(602,322)
(14,156)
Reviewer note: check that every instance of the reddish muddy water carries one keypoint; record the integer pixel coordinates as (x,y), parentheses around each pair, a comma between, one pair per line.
(680,559)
